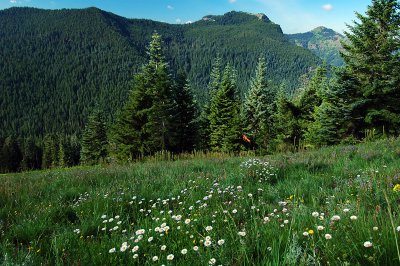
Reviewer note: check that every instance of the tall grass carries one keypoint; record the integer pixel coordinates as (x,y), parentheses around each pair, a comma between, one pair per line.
(263,213)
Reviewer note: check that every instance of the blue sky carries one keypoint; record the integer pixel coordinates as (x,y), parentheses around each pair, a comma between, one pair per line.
(293,15)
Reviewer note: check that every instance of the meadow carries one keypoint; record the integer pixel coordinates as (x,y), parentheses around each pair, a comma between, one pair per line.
(334,206)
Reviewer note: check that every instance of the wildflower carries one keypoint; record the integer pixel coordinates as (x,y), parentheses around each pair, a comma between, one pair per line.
(195,248)
(184,251)
(375,228)
(207,243)
(187,221)
(396,188)
(163,247)
(111,250)
(346,210)
(110,220)
(315,214)
(398,228)
(135,256)
(234,211)
(170,257)
(286,221)
(335,218)
(103,216)
(135,248)
(209,228)
(221,242)
(320,228)
(311,232)
(212,261)
(353,217)
(243,233)
(328,236)
(116,217)
(155,258)
(124,247)
(305,234)
(367,244)
(150,239)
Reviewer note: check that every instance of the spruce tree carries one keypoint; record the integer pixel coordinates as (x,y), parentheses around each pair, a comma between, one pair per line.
(12,155)
(258,106)
(31,155)
(185,133)
(145,124)
(225,130)
(372,56)
(204,118)
(94,139)
(286,130)
(311,97)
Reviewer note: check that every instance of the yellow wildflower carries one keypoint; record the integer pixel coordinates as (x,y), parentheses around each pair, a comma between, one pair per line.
(396,188)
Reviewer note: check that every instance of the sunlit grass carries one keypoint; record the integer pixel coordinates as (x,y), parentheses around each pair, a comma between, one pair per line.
(327,206)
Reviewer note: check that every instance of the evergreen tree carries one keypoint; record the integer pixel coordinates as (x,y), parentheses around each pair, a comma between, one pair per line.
(12,155)
(94,139)
(31,155)
(145,124)
(372,56)
(225,115)
(258,106)
(204,118)
(311,97)
(185,118)
(50,151)
(286,130)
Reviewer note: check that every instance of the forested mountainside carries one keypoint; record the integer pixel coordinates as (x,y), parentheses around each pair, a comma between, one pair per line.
(324,42)
(55,65)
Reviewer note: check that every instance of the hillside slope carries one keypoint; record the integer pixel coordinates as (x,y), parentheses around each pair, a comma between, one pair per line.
(322,41)
(56,64)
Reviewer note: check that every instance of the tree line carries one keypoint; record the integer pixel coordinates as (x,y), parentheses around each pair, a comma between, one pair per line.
(334,105)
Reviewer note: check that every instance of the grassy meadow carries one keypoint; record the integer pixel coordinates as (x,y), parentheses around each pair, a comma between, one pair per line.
(334,206)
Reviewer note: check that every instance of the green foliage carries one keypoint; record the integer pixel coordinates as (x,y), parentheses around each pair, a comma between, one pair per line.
(57,215)
(258,106)
(150,119)
(286,130)
(11,155)
(185,123)
(323,42)
(94,139)
(225,115)
(64,62)
(372,59)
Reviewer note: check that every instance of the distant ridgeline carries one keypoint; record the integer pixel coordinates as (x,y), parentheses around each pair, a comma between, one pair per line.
(324,42)
(56,65)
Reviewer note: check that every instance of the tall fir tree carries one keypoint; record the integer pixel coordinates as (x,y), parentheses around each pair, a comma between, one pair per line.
(145,124)
(311,97)
(225,132)
(204,118)
(31,155)
(11,154)
(372,56)
(286,131)
(186,128)
(94,139)
(332,119)
(258,106)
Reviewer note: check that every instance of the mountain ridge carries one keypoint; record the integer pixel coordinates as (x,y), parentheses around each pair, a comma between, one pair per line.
(322,41)
(57,64)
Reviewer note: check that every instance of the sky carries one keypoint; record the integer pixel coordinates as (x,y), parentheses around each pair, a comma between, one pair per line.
(294,16)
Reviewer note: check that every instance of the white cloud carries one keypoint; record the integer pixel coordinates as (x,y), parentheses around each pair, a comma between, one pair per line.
(170,7)
(327,7)
(232,1)
(189,22)
(13,1)
(178,20)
